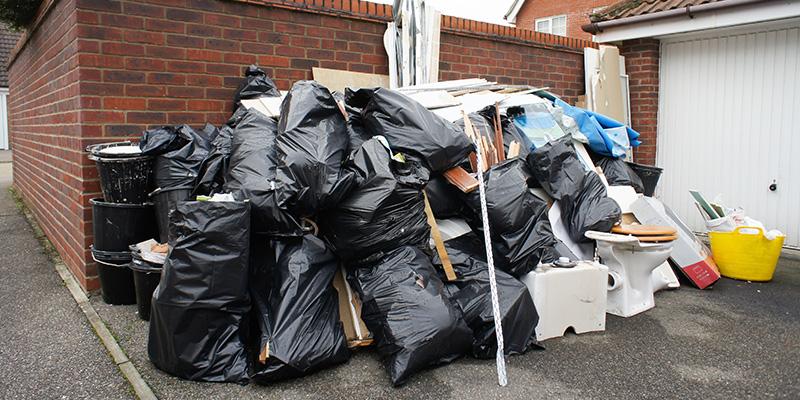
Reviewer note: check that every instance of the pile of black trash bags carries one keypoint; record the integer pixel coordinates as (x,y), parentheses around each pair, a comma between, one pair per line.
(246,291)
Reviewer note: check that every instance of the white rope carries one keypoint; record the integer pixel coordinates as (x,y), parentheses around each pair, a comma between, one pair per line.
(502,379)
(108,263)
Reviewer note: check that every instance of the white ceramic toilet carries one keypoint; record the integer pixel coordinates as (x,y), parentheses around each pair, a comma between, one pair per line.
(570,296)
(630,263)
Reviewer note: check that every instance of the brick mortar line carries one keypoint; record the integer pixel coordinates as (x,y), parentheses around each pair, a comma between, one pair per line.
(125,366)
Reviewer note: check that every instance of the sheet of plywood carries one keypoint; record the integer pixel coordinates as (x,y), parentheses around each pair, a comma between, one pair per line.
(608,89)
(461,179)
(335,79)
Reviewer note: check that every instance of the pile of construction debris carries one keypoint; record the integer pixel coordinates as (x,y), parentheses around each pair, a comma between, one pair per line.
(313,222)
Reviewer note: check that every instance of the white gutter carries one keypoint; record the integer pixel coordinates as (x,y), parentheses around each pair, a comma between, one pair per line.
(513,10)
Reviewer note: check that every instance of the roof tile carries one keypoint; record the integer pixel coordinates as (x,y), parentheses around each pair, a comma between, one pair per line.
(8,39)
(632,8)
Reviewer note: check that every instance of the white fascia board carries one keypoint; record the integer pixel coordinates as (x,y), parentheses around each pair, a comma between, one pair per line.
(742,15)
(511,14)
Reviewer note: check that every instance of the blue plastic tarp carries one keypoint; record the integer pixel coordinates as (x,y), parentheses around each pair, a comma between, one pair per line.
(602,132)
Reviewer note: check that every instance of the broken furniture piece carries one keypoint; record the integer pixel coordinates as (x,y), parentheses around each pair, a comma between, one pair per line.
(568,295)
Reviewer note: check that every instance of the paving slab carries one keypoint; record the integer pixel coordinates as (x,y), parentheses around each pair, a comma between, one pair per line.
(737,340)
(47,347)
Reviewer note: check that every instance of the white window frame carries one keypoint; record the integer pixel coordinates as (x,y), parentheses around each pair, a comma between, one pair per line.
(549,21)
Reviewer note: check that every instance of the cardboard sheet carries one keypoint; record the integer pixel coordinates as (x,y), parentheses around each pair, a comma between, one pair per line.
(350,312)
(608,89)
(335,79)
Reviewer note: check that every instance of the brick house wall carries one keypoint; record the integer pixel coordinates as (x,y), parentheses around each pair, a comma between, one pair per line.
(577,12)
(95,71)
(641,64)
(46,133)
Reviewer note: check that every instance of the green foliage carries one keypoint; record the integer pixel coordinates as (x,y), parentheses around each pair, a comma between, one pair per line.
(18,14)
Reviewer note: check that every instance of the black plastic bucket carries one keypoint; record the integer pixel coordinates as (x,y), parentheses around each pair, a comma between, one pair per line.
(649,176)
(117,226)
(116,279)
(166,200)
(124,177)
(146,276)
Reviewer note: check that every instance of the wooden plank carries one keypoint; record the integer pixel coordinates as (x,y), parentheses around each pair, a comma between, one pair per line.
(264,354)
(473,161)
(469,130)
(484,147)
(498,134)
(342,109)
(437,240)
(461,179)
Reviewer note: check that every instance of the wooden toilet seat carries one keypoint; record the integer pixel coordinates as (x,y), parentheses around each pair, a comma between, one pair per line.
(647,233)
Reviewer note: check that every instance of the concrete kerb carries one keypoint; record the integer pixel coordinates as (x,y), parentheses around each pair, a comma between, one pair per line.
(128,370)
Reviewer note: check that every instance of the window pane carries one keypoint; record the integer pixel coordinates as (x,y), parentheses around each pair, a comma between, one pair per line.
(559,26)
(543,26)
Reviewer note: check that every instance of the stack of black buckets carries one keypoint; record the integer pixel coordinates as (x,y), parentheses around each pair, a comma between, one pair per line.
(123,218)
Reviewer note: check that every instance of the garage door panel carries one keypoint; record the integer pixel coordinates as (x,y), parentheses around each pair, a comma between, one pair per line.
(728,124)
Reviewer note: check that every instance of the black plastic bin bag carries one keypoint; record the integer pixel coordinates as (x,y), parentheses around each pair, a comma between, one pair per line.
(520,228)
(161,140)
(199,314)
(312,146)
(619,173)
(355,124)
(585,205)
(445,199)
(471,293)
(256,84)
(385,209)
(410,128)
(405,307)
(252,174)
(211,177)
(296,310)
(179,151)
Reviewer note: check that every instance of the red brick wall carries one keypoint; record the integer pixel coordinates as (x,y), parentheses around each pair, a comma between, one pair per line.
(641,64)
(577,12)
(46,135)
(104,70)
(517,62)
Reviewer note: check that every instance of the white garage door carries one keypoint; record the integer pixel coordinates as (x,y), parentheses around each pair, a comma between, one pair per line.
(729,123)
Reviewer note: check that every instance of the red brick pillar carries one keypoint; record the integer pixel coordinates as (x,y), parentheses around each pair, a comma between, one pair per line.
(641,64)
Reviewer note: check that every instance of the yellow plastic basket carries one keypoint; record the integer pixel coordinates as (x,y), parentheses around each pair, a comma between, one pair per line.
(745,253)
